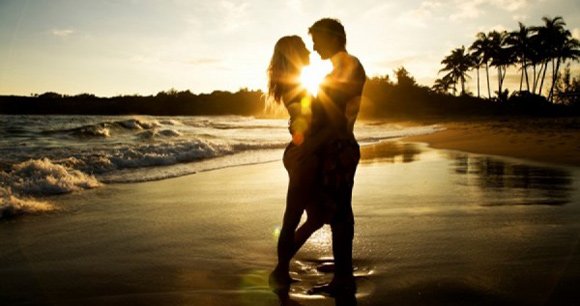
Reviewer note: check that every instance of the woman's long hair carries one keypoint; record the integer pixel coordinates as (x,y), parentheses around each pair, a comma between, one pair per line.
(284,69)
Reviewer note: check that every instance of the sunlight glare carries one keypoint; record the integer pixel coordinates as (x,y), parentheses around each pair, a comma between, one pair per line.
(313,74)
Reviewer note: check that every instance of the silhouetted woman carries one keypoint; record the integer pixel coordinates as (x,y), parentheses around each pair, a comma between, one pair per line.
(303,166)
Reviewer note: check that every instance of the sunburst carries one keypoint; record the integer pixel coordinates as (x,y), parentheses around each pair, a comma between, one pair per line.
(313,75)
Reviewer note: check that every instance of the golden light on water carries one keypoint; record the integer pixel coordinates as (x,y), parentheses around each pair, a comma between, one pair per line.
(313,74)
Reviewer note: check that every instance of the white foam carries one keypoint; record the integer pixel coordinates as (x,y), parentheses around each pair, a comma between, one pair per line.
(12,205)
(43,177)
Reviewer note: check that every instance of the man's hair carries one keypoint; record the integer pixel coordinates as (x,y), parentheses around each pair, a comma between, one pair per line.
(329,26)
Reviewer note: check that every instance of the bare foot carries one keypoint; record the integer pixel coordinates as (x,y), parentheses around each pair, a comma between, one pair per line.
(338,286)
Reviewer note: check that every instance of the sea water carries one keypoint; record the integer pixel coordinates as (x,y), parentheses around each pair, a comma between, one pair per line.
(44,155)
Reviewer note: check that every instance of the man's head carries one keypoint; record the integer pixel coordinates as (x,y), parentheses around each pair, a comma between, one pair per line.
(328,37)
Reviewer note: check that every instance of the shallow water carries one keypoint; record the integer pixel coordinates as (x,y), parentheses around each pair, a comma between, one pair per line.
(58,154)
(433,227)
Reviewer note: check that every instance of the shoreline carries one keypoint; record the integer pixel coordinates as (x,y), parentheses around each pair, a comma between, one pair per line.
(550,141)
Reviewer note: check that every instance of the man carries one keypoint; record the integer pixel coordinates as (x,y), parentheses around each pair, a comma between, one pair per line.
(340,98)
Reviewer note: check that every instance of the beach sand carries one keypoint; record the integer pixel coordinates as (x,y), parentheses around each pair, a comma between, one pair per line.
(551,140)
(433,227)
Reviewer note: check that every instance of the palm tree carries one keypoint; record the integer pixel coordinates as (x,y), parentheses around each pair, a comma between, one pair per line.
(537,56)
(569,49)
(551,35)
(520,42)
(443,85)
(481,52)
(476,63)
(502,56)
(457,63)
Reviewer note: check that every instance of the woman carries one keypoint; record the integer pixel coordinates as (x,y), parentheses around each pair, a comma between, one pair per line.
(303,166)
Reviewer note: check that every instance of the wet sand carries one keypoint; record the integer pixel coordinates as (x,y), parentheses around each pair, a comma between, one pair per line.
(550,140)
(433,227)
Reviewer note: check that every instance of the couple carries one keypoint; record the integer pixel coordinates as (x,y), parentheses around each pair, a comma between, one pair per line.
(322,158)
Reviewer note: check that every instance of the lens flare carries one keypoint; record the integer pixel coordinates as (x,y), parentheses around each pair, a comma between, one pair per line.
(313,75)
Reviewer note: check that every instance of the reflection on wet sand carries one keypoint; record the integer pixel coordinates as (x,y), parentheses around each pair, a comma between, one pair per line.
(506,182)
(513,183)
(390,152)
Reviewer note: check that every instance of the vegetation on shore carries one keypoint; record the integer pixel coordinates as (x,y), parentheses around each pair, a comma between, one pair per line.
(532,50)
(166,103)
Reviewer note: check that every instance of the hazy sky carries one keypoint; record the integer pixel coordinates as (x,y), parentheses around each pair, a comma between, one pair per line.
(144,46)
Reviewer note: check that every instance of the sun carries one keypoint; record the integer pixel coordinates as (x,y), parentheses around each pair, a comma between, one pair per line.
(313,74)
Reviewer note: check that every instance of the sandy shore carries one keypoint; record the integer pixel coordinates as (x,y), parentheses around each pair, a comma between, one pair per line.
(433,227)
(555,141)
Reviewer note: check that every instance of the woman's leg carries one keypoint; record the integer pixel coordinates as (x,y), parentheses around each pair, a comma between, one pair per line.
(305,231)
(300,192)
(291,219)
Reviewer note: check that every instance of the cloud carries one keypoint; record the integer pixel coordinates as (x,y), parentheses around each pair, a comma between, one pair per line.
(420,16)
(235,15)
(520,18)
(62,32)
(469,9)
(378,11)
(510,5)
(426,8)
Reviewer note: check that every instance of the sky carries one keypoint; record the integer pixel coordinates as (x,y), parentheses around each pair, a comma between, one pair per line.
(125,47)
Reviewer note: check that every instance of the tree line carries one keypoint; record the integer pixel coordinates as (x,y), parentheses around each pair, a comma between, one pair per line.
(165,103)
(533,50)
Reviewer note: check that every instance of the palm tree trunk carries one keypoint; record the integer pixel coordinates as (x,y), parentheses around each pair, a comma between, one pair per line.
(554,80)
(535,79)
(542,66)
(499,80)
(487,74)
(526,73)
(543,77)
(522,78)
(478,81)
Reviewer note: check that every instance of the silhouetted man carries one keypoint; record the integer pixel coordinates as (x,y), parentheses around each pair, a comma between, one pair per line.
(340,99)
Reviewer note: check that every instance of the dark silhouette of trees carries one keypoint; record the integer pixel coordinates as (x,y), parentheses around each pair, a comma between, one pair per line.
(551,35)
(481,53)
(404,78)
(520,43)
(527,47)
(457,64)
(443,85)
(171,102)
(501,57)
(567,89)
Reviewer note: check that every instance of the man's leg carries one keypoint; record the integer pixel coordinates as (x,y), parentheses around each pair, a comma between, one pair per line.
(342,235)
(343,223)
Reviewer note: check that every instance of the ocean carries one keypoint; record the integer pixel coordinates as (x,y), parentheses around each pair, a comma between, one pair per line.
(47,155)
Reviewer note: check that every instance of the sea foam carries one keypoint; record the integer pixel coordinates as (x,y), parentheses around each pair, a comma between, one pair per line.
(12,205)
(40,177)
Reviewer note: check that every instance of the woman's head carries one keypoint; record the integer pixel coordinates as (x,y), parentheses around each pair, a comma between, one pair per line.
(290,56)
